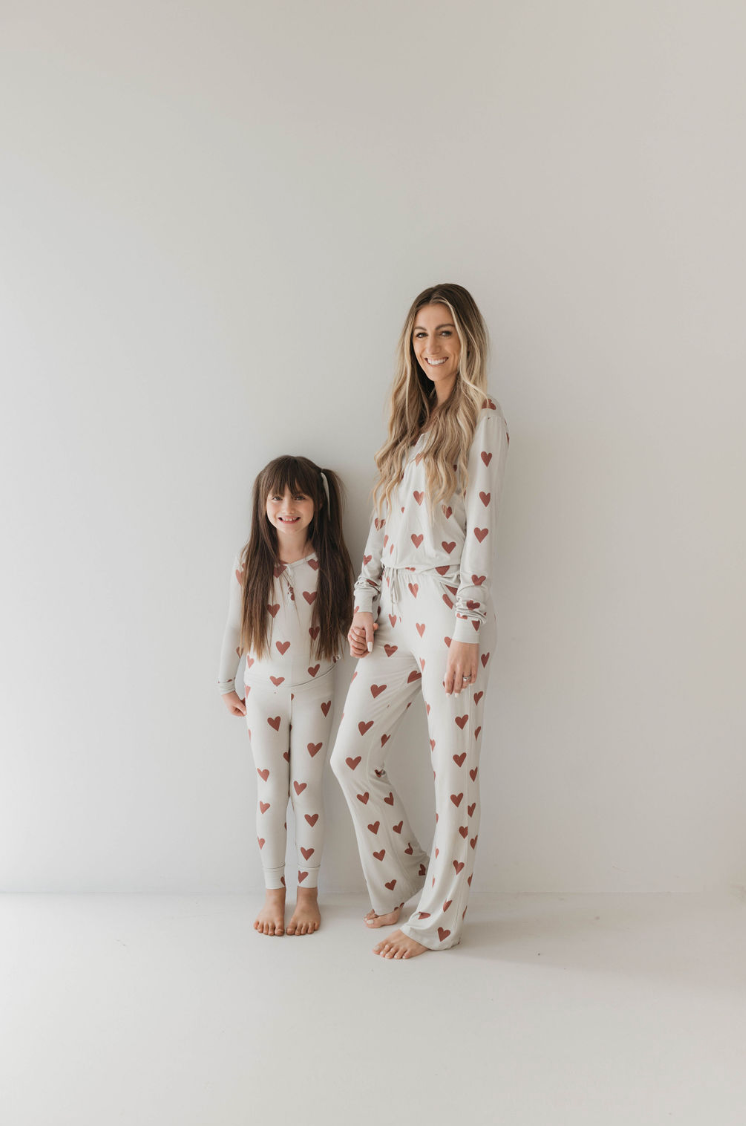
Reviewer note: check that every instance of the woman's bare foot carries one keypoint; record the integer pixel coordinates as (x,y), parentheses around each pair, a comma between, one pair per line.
(306,916)
(399,946)
(271,918)
(372,920)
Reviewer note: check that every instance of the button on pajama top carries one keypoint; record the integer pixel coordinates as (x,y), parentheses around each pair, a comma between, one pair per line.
(288,695)
(426,577)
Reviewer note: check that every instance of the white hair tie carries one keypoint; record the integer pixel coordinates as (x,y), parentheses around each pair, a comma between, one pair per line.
(326,487)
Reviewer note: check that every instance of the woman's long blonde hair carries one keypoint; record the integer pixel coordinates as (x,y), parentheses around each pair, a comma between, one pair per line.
(413,399)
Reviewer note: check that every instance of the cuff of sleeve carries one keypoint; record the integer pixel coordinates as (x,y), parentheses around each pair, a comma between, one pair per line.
(364,601)
(224,689)
(464,631)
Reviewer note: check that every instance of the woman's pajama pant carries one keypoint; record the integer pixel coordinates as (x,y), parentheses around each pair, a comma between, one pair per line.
(289,731)
(409,653)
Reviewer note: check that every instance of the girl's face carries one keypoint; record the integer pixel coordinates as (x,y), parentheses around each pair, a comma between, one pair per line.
(290,514)
(437,346)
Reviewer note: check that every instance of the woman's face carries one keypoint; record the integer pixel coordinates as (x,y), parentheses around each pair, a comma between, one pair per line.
(437,346)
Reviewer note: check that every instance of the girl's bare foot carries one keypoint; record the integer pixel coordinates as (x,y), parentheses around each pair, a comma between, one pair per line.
(372,920)
(271,918)
(399,946)
(306,916)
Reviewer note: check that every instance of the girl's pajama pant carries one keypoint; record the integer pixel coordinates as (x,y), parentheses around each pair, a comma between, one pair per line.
(409,654)
(289,731)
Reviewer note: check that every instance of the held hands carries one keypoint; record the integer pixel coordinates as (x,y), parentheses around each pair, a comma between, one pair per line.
(234,703)
(360,634)
(461,668)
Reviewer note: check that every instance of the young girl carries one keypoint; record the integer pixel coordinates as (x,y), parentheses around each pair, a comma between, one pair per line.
(290,600)
(426,577)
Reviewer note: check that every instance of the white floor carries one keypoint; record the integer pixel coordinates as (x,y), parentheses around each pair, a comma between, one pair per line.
(554,1010)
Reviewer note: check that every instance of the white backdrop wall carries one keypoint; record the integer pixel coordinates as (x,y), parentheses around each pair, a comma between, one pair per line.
(214,217)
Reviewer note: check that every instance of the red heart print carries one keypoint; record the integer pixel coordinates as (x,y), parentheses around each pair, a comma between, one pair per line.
(263,774)
(380,773)
(414,675)
(375,826)
(314,748)
(379,523)
(484,659)
(313,563)
(278,569)
(447,904)
(300,787)
(473,773)
(432,744)
(353,763)
(307,852)
(325,707)
(302,876)
(385,540)
(310,597)
(377,689)
(461,721)
(469,881)
(437,853)
(448,641)
(264,806)
(448,546)
(282,878)
(286,755)
(458,865)
(477,732)
(392,619)
(486,458)
(413,588)
(459,759)
(485,498)
(419,497)
(443,935)
(422,872)
(478,696)
(447,601)
(417,540)
(380,855)
(274,722)
(473,841)
(262,842)
(314,631)
(366,560)
(481,533)
(239,577)
(314,669)
(390,649)
(239,651)
(443,570)
(423,914)
(456,799)
(427,706)
(471,808)
(273,609)
(447,510)
(471,604)
(409,850)
(312,818)
(391,884)
(363,797)
(453,589)
(384,741)
(477,580)
(390,799)
(464,831)
(364,727)
(422,663)
(277,680)
(397,828)
(282,647)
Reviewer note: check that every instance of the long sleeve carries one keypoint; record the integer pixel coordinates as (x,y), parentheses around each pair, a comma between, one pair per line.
(230,652)
(487,458)
(368,584)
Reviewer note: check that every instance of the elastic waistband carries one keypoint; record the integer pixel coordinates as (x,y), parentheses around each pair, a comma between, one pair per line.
(397,576)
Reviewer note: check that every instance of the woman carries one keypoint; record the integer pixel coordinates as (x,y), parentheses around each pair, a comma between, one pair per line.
(425,578)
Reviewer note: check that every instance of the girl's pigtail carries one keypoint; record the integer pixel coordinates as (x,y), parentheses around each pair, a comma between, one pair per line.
(336,576)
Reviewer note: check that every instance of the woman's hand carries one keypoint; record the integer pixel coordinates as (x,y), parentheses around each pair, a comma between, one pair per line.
(360,634)
(461,667)
(234,703)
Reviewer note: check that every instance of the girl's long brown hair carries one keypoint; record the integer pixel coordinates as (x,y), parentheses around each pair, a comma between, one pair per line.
(413,399)
(332,608)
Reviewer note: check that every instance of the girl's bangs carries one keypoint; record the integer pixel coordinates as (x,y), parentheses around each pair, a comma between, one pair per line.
(290,474)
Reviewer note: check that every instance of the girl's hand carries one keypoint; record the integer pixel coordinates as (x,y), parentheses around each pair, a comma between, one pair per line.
(461,667)
(234,703)
(360,635)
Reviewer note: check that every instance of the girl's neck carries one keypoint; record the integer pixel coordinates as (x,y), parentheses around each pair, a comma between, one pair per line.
(293,553)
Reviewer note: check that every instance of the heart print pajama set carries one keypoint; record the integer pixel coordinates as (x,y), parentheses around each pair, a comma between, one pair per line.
(425,578)
(289,713)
